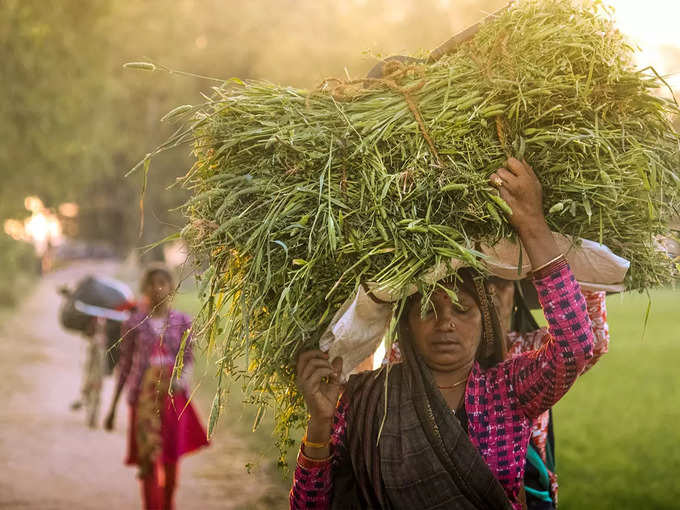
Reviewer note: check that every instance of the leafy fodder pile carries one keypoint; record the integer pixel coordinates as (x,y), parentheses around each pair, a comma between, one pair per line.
(299,196)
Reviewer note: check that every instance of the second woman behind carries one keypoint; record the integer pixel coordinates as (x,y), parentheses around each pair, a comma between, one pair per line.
(162,427)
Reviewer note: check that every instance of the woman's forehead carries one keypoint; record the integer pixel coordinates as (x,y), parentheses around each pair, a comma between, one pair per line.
(158,276)
(459,292)
(445,294)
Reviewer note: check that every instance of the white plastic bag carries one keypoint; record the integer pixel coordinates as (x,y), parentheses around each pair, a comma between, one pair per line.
(356,330)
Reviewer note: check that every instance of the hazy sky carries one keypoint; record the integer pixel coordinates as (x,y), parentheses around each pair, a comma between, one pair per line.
(653,24)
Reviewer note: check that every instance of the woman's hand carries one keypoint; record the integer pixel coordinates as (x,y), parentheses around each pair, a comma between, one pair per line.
(320,396)
(319,382)
(519,187)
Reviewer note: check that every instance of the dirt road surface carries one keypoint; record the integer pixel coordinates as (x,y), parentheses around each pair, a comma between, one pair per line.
(49,459)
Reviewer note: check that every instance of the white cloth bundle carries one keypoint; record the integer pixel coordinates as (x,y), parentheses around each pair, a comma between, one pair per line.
(360,324)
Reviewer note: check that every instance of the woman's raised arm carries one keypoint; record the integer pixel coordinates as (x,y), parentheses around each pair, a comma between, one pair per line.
(542,377)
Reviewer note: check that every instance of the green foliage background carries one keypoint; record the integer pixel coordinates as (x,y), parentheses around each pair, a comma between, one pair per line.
(73,121)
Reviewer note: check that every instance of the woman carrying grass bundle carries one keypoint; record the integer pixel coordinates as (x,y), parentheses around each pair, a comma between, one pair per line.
(523,334)
(449,427)
(162,427)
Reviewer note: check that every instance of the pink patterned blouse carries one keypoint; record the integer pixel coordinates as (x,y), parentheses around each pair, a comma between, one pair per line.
(524,342)
(501,403)
(138,348)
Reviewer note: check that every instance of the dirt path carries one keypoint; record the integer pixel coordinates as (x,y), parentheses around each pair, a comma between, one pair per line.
(49,460)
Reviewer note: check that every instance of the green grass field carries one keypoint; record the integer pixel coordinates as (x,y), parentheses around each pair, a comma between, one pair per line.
(617,430)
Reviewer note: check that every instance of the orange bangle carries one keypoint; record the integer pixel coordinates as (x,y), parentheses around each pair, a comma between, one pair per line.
(308,462)
(311,444)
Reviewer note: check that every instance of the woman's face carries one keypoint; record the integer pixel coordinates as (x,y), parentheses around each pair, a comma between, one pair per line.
(448,335)
(158,288)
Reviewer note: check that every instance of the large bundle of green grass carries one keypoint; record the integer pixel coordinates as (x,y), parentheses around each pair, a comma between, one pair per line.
(299,196)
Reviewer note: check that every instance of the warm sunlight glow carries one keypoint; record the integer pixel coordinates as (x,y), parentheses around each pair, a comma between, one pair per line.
(68,209)
(33,204)
(15,229)
(42,228)
(653,25)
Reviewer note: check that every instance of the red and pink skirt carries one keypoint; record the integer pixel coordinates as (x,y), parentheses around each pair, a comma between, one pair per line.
(162,433)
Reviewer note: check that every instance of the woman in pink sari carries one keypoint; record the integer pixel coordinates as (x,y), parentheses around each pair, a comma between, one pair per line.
(163,425)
